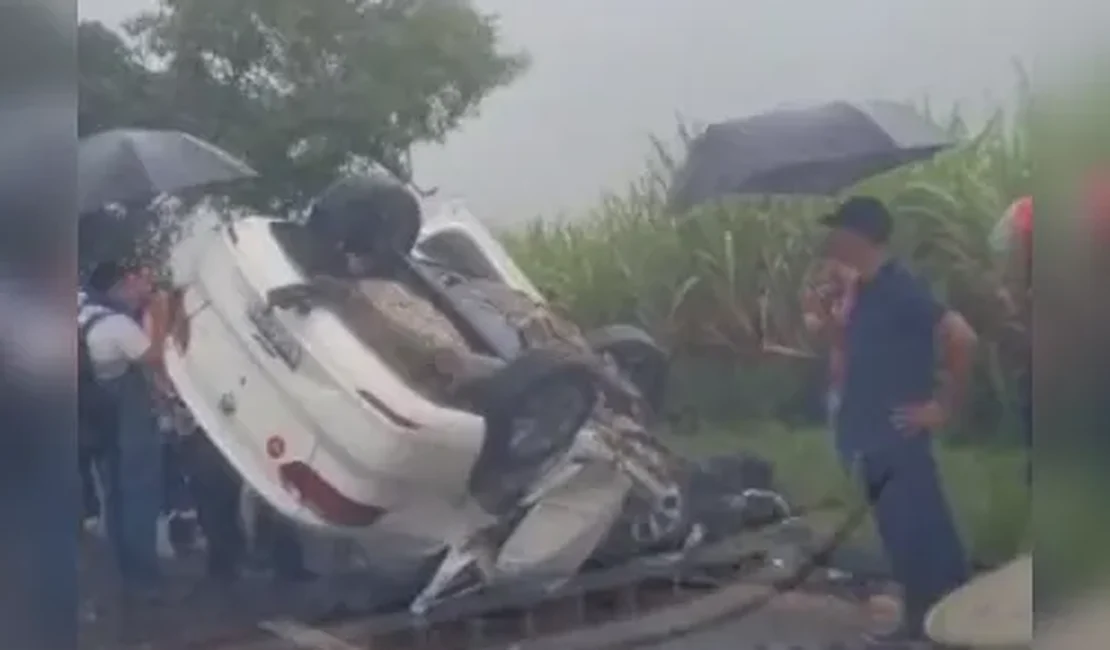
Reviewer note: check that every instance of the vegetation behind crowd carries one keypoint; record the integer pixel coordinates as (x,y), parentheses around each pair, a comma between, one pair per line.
(720,285)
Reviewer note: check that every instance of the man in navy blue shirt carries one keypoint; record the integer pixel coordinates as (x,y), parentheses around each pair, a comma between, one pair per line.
(892,401)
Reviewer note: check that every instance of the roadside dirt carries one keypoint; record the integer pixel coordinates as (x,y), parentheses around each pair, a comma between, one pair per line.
(193,613)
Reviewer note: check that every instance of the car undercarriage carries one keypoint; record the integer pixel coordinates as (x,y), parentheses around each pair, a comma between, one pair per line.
(566,469)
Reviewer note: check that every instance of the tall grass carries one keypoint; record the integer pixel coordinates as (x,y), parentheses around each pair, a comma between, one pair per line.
(720,285)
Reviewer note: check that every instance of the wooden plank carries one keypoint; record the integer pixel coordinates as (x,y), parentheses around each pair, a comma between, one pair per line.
(304,637)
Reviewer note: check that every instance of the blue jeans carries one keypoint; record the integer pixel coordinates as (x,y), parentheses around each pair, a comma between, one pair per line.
(176,495)
(914,523)
(90,500)
(131,473)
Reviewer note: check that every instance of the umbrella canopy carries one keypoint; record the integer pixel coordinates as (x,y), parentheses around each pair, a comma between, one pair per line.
(811,151)
(130,165)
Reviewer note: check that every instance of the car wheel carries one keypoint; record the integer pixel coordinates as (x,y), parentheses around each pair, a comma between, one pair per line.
(638,357)
(657,525)
(374,217)
(534,409)
(645,529)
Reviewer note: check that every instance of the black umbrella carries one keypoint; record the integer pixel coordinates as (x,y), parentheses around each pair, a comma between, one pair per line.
(811,151)
(135,165)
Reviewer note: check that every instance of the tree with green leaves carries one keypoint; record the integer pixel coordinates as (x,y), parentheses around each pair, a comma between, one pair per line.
(116,89)
(307,90)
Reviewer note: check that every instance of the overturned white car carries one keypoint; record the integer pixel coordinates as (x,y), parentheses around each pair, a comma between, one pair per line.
(405,384)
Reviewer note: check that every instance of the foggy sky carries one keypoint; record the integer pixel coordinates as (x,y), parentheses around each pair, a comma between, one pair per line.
(607,73)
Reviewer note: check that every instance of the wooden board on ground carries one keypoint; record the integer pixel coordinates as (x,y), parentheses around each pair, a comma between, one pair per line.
(303,637)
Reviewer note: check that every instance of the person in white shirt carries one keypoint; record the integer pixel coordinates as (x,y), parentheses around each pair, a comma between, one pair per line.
(126,360)
(119,340)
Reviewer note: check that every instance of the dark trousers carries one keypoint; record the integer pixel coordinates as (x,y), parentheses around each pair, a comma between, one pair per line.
(216,490)
(131,475)
(90,500)
(914,523)
(281,544)
(177,495)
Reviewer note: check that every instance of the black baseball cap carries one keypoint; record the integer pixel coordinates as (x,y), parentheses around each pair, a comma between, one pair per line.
(864,216)
(109,273)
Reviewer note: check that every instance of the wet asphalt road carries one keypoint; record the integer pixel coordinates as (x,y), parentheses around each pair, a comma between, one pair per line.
(812,622)
(196,610)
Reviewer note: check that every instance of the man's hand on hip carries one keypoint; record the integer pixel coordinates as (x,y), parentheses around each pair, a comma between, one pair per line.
(920,418)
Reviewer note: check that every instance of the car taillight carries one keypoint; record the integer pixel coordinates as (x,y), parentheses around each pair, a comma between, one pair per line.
(324,499)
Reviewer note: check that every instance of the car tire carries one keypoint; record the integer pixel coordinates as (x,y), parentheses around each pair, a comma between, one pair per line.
(643,362)
(375,217)
(643,528)
(512,456)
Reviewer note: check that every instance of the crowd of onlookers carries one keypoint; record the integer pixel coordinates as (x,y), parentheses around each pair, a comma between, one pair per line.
(153,484)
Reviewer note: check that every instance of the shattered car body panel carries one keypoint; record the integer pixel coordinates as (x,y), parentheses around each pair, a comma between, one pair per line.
(321,424)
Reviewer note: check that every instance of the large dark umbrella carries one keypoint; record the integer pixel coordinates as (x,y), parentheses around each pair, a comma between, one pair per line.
(811,151)
(135,165)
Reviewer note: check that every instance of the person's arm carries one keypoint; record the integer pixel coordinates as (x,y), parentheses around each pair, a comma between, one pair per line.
(957,341)
(158,317)
(178,324)
(957,345)
(156,323)
(812,312)
(143,344)
(830,320)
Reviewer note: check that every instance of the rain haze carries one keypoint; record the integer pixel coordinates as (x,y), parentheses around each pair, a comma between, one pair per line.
(606,74)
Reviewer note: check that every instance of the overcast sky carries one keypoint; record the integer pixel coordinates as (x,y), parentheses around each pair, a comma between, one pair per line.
(607,73)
